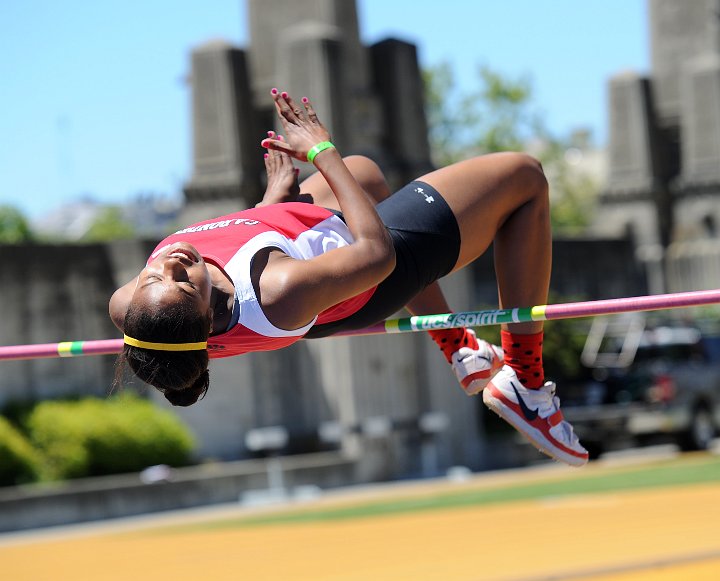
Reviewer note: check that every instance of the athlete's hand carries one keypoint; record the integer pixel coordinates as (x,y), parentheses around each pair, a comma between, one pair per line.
(301,126)
(282,177)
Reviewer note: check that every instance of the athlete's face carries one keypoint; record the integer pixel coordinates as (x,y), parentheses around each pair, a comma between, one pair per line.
(178,272)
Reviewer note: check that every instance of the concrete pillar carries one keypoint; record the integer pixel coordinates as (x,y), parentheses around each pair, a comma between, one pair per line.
(398,82)
(310,64)
(631,135)
(679,32)
(269,21)
(700,120)
(227,157)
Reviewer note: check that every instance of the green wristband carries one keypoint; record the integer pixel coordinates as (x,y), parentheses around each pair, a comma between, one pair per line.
(317,148)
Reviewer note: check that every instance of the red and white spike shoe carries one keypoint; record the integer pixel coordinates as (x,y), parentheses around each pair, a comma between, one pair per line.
(536,414)
(475,364)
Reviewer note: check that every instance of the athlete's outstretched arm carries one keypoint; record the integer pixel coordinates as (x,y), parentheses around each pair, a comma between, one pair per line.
(293,292)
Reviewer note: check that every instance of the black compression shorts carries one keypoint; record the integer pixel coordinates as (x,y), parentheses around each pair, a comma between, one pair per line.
(426,237)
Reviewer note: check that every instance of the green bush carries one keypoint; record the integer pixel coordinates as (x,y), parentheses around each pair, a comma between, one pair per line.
(19,461)
(93,437)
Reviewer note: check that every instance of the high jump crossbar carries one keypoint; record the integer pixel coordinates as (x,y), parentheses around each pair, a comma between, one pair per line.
(422,322)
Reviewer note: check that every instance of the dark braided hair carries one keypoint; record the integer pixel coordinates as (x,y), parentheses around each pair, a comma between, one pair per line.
(182,376)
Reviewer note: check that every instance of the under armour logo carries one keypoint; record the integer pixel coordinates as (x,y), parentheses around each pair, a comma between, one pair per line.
(428,199)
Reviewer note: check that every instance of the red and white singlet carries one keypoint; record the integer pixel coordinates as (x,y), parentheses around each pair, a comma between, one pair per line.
(300,230)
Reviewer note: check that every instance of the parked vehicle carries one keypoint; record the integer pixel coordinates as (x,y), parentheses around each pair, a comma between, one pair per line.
(647,384)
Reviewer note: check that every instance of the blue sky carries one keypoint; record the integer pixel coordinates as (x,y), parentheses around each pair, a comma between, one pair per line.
(92,98)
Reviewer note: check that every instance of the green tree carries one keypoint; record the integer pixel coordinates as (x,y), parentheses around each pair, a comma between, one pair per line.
(500,116)
(14,228)
(444,114)
(497,116)
(108,225)
(507,120)
(573,192)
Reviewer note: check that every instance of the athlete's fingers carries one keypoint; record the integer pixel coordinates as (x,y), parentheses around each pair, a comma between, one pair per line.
(279,103)
(310,110)
(276,145)
(268,163)
(278,159)
(271,154)
(284,162)
(298,111)
(273,135)
(283,106)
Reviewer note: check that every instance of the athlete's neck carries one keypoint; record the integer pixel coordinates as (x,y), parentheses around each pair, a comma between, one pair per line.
(222,298)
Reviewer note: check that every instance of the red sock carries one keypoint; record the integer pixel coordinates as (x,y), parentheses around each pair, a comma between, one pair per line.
(524,354)
(450,340)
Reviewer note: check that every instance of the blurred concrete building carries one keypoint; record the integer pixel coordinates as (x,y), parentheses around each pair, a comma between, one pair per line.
(369,97)
(148,215)
(70,221)
(663,188)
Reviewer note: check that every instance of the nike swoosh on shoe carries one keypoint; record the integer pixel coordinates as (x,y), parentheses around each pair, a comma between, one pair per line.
(529,414)
(459,360)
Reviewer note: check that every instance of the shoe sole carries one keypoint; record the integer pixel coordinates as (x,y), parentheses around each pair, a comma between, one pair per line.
(532,435)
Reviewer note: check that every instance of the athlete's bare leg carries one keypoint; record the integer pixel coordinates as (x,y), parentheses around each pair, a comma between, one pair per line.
(503,198)
(500,198)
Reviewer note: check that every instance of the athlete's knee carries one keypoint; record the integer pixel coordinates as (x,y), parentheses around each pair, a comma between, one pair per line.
(363,166)
(356,158)
(530,172)
(369,176)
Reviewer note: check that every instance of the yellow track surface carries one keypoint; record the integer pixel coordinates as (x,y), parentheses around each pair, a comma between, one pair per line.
(665,534)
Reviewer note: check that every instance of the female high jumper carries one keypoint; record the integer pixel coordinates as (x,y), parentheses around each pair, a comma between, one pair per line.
(263,278)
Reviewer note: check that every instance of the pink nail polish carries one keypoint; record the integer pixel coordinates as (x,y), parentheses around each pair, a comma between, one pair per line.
(264,142)
(305,100)
(265,155)
(270,133)
(284,95)
(280,138)
(274,91)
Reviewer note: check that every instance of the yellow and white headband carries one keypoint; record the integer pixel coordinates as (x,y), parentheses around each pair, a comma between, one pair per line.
(199,346)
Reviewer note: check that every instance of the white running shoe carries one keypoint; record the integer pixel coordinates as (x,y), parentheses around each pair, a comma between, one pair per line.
(536,414)
(475,367)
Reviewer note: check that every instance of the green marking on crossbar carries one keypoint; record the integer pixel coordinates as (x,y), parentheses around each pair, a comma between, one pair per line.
(70,348)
